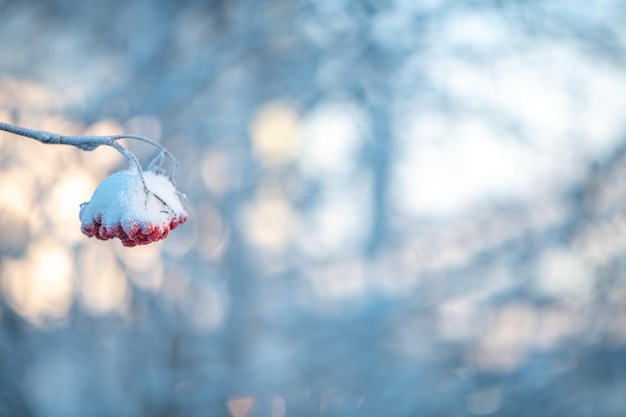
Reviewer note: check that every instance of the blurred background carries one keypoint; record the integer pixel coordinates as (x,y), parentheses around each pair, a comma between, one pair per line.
(397,208)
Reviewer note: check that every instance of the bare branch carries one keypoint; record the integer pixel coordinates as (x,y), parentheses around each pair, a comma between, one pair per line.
(87,143)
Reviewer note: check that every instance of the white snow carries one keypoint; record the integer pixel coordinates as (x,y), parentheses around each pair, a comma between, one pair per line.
(121,199)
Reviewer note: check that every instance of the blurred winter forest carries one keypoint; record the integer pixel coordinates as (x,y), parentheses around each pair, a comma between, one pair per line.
(397,208)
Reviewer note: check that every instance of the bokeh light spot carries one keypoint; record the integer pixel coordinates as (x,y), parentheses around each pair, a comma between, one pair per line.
(103,286)
(40,286)
(274,133)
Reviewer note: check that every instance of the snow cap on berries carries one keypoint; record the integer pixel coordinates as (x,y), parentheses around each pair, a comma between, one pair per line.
(122,207)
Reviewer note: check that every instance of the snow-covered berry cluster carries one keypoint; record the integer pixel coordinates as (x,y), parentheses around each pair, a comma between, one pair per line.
(137,208)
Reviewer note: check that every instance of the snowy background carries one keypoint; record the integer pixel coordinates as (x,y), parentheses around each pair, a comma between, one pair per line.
(397,208)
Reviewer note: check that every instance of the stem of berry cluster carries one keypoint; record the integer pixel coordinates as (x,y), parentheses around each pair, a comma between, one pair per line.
(89,143)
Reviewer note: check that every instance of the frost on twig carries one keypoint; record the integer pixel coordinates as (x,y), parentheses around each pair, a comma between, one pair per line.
(87,143)
(134,206)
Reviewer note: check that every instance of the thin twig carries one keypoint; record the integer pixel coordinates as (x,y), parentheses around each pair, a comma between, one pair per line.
(86,143)
(149,142)
(89,143)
